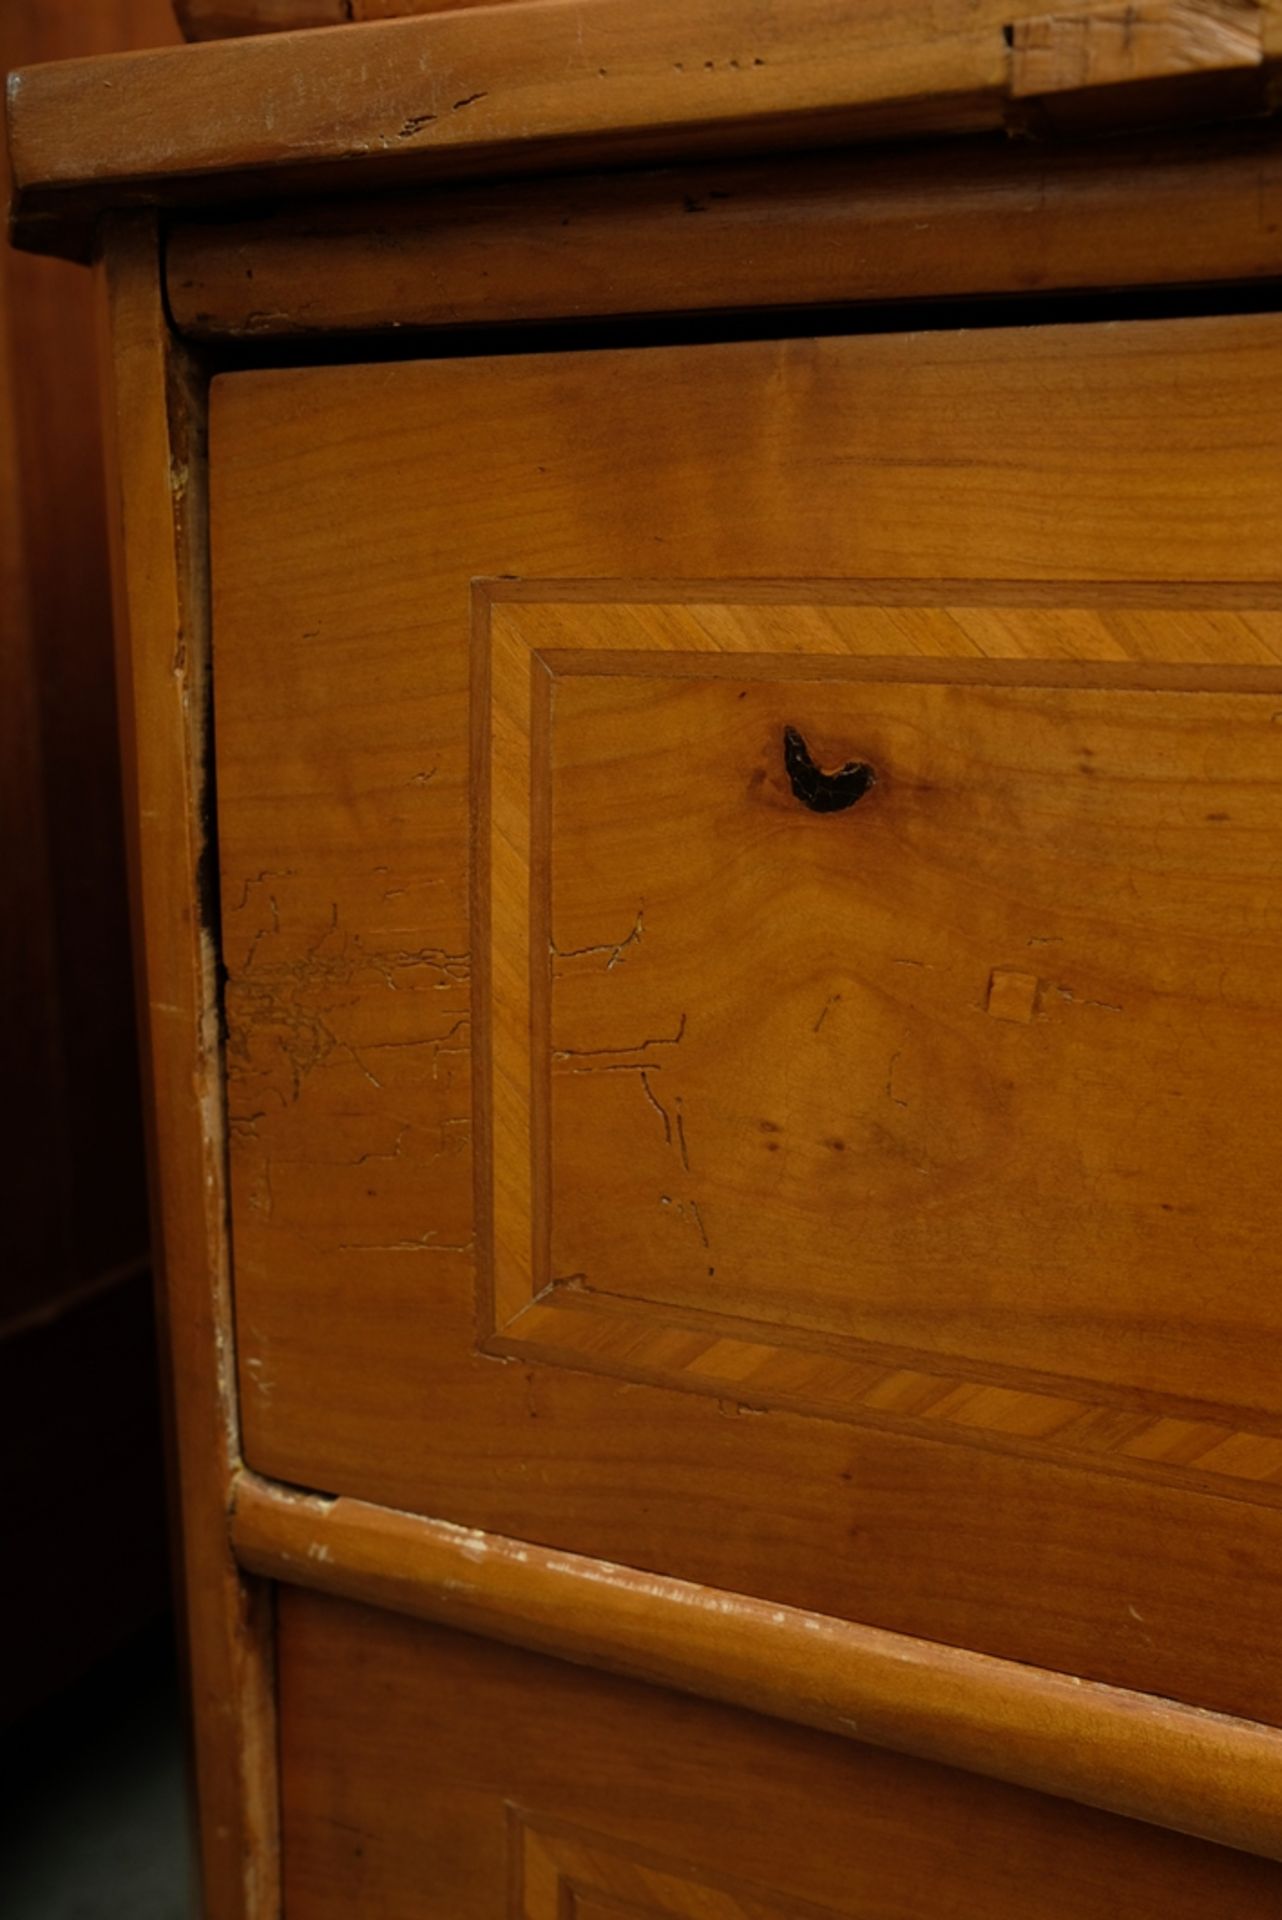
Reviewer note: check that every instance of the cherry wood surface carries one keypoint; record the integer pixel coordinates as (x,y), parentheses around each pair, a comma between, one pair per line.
(475,707)
(950,219)
(1043,474)
(154,416)
(979,1067)
(1172,1766)
(503,89)
(428,1773)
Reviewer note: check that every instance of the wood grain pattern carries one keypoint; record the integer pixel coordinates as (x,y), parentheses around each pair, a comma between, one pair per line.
(644,845)
(155,430)
(969,217)
(560,1873)
(1148,1759)
(1064,690)
(424,1768)
(343,571)
(1112,45)
(498,90)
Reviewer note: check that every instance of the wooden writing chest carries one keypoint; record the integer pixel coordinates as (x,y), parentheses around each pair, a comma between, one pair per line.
(706,729)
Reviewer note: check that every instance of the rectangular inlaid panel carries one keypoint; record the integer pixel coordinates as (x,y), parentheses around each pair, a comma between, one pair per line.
(563,1873)
(943,1084)
(429,1775)
(1019,1401)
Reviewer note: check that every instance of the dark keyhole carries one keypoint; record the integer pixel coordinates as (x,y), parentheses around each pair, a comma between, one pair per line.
(823,792)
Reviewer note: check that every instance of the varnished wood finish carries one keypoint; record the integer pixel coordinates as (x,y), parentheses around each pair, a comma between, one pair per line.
(1070,48)
(580,1074)
(1060,48)
(1197,1773)
(155,427)
(433,1774)
(1069,457)
(846,1191)
(1087,70)
(493,90)
(955,219)
(503,90)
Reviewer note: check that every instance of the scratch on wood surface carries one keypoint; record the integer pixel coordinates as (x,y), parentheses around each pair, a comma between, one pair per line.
(627,1046)
(827,1007)
(658,1106)
(614,950)
(292,1004)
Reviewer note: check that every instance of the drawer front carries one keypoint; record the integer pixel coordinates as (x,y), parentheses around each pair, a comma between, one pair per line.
(748,898)
(432,1776)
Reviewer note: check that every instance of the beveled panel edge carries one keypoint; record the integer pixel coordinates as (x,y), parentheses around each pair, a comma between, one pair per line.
(1204,1446)
(948,1398)
(554,1865)
(1209,1775)
(1242,596)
